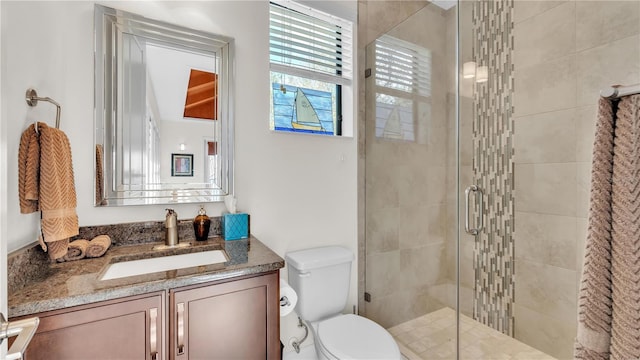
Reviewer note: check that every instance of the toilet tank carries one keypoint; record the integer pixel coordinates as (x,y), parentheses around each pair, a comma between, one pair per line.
(320,277)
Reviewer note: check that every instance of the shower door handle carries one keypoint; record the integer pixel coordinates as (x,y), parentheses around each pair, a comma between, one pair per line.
(479,195)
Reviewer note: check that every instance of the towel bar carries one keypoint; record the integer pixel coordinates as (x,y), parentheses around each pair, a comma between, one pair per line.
(32,100)
(618,91)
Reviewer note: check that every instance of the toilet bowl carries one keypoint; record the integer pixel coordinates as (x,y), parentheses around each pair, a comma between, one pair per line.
(320,277)
(353,337)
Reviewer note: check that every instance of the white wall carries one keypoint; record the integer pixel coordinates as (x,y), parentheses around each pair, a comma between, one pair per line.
(3,198)
(300,190)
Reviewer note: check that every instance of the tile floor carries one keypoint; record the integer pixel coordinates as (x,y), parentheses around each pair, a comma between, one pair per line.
(432,336)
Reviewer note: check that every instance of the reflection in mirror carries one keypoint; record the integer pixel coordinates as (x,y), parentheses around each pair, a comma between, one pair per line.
(163,122)
(403,90)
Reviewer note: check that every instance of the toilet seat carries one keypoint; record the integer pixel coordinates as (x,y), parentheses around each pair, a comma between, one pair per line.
(355,337)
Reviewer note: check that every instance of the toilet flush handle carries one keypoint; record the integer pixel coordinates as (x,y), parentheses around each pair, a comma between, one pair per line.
(304,274)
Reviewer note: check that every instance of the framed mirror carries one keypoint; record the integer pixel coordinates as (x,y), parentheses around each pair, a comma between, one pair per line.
(163,120)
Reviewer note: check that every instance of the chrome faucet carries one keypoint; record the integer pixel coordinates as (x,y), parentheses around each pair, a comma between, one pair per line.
(171,228)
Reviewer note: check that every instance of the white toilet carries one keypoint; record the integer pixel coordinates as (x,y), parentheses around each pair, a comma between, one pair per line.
(320,277)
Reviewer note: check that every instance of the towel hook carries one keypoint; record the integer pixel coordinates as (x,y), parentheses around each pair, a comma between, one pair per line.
(32,100)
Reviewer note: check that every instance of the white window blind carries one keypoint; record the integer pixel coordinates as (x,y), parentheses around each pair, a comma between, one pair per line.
(403,66)
(306,42)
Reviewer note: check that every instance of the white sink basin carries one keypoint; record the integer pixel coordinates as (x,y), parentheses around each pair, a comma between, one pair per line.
(163,263)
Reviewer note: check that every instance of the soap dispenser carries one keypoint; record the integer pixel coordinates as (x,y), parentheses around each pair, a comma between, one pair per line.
(201,225)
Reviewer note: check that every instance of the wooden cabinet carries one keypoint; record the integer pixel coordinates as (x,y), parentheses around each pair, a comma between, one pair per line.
(130,328)
(237,319)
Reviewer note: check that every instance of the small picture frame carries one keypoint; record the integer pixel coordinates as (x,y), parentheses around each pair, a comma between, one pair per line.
(181,164)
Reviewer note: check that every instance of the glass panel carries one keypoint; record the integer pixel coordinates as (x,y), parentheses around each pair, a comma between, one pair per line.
(518,123)
(410,177)
(527,128)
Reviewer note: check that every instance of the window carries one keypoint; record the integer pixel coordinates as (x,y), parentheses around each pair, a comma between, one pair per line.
(403,89)
(311,69)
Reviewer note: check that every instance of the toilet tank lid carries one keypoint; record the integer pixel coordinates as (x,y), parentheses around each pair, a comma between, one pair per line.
(318,257)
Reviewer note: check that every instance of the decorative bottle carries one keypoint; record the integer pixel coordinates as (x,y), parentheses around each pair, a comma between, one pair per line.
(201,225)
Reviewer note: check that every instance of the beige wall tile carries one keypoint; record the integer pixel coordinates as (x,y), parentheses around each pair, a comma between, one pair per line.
(546,239)
(383,273)
(586,117)
(546,36)
(413,226)
(421,225)
(413,187)
(421,267)
(549,86)
(602,22)
(467,271)
(424,28)
(381,154)
(617,62)
(437,146)
(382,230)
(545,138)
(381,191)
(466,144)
(583,180)
(445,293)
(546,188)
(466,300)
(382,16)
(401,306)
(524,9)
(552,336)
(546,289)
(436,184)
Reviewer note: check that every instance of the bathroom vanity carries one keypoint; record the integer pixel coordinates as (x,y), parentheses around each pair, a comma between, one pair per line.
(213,299)
(224,310)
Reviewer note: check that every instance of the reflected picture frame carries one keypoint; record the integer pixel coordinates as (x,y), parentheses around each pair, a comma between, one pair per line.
(181,164)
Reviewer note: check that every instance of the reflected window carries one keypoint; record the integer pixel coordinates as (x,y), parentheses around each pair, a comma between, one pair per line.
(202,99)
(403,89)
(212,161)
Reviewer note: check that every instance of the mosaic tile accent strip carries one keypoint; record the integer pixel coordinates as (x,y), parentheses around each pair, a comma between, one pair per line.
(493,164)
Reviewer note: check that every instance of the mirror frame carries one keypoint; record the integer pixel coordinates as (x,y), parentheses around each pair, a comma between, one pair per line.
(109,23)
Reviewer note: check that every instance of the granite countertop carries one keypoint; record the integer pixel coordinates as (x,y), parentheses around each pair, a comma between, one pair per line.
(75,283)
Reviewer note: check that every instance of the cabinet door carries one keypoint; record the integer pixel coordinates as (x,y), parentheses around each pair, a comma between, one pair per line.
(129,328)
(238,319)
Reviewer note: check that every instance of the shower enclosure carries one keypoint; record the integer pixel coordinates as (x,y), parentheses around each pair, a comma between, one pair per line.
(490,104)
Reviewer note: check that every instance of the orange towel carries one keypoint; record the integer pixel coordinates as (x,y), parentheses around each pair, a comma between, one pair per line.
(29,171)
(98,246)
(77,250)
(99,176)
(46,183)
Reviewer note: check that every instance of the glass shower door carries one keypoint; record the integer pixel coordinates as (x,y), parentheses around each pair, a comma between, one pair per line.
(410,174)
(441,114)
